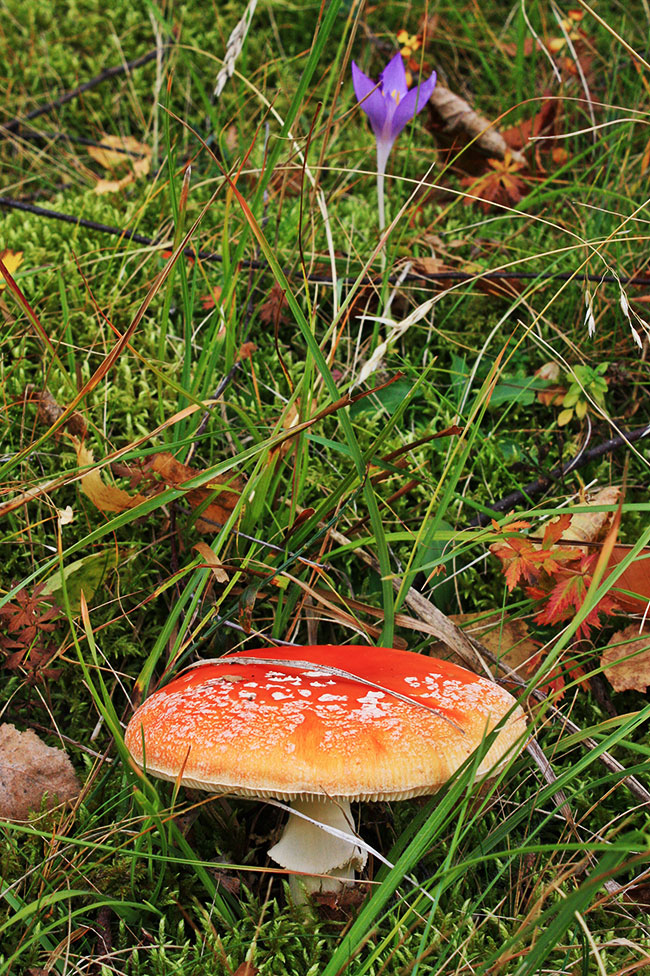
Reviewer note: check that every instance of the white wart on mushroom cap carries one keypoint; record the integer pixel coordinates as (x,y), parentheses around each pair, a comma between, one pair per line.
(293,731)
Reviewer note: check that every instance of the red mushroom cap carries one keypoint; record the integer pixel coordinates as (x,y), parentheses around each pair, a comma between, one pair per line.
(286,730)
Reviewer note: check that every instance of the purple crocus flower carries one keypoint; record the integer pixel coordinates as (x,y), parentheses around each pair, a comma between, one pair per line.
(389,105)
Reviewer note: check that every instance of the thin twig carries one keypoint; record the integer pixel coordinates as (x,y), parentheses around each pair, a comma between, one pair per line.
(557,473)
(67,96)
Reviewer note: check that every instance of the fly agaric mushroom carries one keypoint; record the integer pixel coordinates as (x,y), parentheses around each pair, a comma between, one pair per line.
(321,726)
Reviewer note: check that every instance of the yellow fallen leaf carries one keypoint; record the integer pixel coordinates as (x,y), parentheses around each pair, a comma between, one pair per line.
(134,154)
(12,260)
(136,157)
(113,186)
(107,498)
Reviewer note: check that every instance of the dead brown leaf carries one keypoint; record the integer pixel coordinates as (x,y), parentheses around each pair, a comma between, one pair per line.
(213,516)
(246,350)
(552,394)
(508,639)
(246,969)
(116,151)
(340,906)
(271,312)
(542,123)
(626,660)
(31,771)
(502,184)
(430,266)
(110,498)
(212,561)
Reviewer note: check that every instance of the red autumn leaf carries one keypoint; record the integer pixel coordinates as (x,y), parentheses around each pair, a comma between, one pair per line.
(211,301)
(521,560)
(525,560)
(167,254)
(502,184)
(554,530)
(511,526)
(541,123)
(568,595)
(635,579)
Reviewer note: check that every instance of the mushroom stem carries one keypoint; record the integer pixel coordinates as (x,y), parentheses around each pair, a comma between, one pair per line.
(307,847)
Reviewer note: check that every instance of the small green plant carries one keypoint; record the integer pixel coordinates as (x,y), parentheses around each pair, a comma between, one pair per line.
(587,384)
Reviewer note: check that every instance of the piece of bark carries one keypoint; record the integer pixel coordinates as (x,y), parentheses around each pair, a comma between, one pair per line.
(30,771)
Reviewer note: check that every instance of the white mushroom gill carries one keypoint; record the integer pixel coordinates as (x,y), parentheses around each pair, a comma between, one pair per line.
(327,862)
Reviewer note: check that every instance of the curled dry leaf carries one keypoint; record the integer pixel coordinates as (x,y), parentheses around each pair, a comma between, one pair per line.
(626,660)
(585,526)
(110,498)
(592,526)
(65,516)
(31,771)
(116,151)
(212,561)
(105,497)
(458,119)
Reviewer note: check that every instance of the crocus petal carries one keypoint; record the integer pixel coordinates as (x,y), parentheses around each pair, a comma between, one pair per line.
(370,98)
(411,104)
(393,78)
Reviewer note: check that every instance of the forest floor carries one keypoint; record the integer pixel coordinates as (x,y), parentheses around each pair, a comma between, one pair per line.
(196,291)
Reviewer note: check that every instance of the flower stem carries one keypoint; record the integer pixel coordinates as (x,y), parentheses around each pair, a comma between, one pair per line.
(383,151)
